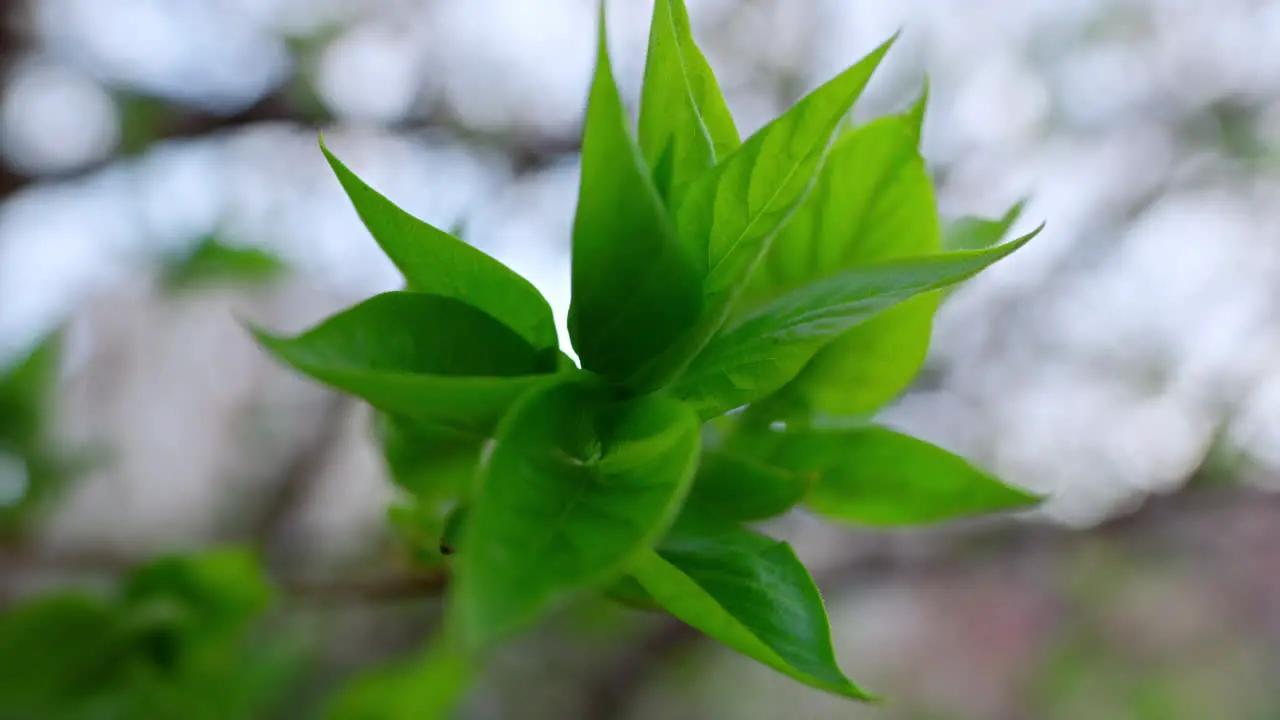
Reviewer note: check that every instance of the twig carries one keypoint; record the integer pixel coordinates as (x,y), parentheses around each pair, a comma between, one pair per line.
(367,590)
(296,482)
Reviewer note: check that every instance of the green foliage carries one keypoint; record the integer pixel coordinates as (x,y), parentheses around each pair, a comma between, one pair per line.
(213,262)
(737,486)
(579,483)
(875,476)
(424,687)
(635,286)
(754,357)
(432,358)
(795,273)
(975,233)
(685,125)
(872,202)
(751,593)
(175,641)
(435,262)
(26,394)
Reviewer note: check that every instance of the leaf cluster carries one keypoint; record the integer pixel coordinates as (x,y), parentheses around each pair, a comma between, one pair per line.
(741,309)
(173,641)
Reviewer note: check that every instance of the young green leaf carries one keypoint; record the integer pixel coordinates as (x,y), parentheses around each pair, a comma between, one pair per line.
(751,593)
(431,358)
(636,288)
(577,484)
(733,212)
(759,354)
(875,476)
(433,261)
(974,233)
(737,487)
(56,652)
(873,202)
(685,124)
(729,215)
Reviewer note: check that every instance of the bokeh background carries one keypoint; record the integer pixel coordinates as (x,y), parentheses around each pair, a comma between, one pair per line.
(160,182)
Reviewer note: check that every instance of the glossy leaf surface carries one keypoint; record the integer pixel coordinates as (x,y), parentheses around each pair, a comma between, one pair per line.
(751,593)
(578,483)
(636,287)
(435,262)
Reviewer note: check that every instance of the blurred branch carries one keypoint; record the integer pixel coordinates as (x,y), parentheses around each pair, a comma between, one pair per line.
(295,483)
(63,565)
(393,588)
(526,153)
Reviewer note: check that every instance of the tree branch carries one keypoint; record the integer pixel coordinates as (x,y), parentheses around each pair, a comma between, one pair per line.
(296,482)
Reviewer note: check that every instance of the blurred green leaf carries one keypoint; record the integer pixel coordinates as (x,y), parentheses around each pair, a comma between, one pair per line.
(32,471)
(207,594)
(578,483)
(426,687)
(435,262)
(751,593)
(875,476)
(175,643)
(974,233)
(431,358)
(57,653)
(25,389)
(212,262)
(685,124)
(757,355)
(636,288)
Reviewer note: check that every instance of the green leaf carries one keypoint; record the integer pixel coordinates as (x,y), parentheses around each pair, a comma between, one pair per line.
(685,124)
(636,288)
(216,592)
(873,202)
(757,355)
(875,476)
(751,593)
(431,358)
(974,233)
(431,463)
(729,216)
(55,652)
(25,388)
(577,484)
(213,262)
(427,686)
(435,262)
(737,487)
(733,213)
